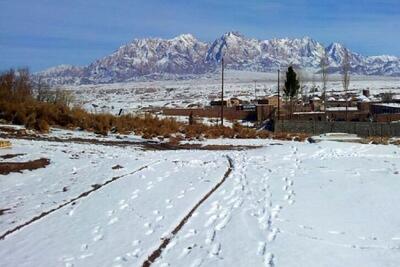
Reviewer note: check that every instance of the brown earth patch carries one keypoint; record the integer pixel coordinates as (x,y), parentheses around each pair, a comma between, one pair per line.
(145,145)
(116,167)
(10,156)
(3,211)
(8,167)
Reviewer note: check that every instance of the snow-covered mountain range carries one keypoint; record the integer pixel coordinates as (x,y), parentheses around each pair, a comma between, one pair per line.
(185,55)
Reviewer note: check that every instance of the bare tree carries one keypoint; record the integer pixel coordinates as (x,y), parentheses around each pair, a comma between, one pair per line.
(324,64)
(63,97)
(346,77)
(43,92)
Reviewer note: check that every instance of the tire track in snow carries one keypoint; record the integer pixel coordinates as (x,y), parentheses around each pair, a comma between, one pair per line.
(82,195)
(157,253)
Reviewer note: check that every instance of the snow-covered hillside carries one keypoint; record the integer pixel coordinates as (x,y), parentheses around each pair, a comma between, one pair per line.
(284,204)
(185,55)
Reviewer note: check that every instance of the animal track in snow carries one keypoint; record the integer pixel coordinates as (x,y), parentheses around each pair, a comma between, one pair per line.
(136,243)
(84,256)
(275,211)
(210,237)
(211,220)
(197,262)
(336,232)
(136,253)
(272,235)
(110,213)
(113,220)
(190,233)
(97,237)
(261,248)
(269,260)
(215,250)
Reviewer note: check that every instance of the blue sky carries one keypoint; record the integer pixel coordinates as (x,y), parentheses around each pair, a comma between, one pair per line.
(45,33)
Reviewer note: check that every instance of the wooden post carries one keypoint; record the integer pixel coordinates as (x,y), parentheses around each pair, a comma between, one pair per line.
(222,93)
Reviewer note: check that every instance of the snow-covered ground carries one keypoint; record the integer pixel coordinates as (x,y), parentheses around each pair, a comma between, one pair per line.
(133,96)
(284,204)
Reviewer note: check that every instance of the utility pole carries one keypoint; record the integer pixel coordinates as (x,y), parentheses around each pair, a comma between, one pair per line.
(347,106)
(255,90)
(222,92)
(279,93)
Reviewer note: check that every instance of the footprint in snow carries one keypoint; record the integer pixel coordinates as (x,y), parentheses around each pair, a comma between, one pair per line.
(197,262)
(97,238)
(149,232)
(71,212)
(336,232)
(135,253)
(84,247)
(269,260)
(186,251)
(110,213)
(272,235)
(215,250)
(136,243)
(275,211)
(190,233)
(210,237)
(261,248)
(211,220)
(96,230)
(113,221)
(122,207)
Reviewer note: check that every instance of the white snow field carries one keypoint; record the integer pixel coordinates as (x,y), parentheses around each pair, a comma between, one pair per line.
(284,204)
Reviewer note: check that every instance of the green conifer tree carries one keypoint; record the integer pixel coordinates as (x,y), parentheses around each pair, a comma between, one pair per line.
(292,86)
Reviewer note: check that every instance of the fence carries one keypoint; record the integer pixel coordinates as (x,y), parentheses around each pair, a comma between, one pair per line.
(363,129)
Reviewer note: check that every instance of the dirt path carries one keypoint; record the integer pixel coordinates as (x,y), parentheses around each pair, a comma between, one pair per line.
(73,200)
(157,253)
(145,145)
